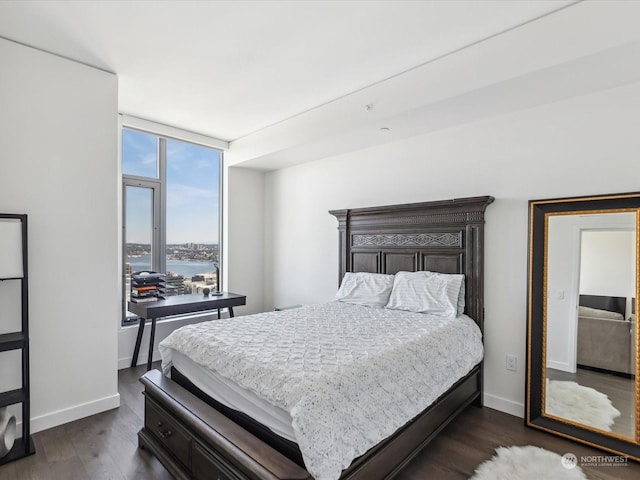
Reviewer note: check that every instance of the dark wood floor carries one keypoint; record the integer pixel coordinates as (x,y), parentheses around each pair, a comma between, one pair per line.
(104,446)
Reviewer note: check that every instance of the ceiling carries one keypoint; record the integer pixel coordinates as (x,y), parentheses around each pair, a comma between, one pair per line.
(290,81)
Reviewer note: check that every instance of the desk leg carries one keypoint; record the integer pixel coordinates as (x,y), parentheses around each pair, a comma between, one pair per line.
(151,339)
(230,312)
(218,314)
(136,349)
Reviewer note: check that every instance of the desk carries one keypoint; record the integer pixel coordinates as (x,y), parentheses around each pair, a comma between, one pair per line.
(178,305)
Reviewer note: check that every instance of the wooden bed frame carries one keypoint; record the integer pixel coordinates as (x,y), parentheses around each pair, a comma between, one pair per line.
(192,439)
(601,302)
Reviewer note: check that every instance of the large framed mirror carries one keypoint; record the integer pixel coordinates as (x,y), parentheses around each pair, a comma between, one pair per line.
(583,344)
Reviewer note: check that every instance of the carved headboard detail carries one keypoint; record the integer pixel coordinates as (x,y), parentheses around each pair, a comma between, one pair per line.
(444,236)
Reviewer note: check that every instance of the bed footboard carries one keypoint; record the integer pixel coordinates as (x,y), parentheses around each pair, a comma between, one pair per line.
(193,440)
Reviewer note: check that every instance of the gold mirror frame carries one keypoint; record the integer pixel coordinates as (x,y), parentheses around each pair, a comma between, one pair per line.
(540,211)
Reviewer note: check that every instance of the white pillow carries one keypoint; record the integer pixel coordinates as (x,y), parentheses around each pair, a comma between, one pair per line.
(461,301)
(361,288)
(427,292)
(598,313)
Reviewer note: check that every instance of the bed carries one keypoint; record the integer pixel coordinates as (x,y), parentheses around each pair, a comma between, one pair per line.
(195,436)
(605,335)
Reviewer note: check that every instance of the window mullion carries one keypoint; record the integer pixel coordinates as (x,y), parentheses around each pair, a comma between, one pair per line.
(161,207)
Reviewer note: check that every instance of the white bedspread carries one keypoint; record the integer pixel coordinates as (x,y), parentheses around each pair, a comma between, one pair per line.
(348,375)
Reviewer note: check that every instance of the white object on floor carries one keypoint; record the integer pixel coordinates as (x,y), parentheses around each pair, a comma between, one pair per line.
(7,431)
(580,404)
(529,463)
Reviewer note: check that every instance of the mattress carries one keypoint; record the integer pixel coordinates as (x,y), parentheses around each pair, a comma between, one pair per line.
(234,396)
(335,378)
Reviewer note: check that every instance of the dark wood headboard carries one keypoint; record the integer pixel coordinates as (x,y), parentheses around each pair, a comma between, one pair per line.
(611,304)
(444,236)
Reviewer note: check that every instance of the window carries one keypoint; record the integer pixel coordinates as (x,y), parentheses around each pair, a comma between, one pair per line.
(171,212)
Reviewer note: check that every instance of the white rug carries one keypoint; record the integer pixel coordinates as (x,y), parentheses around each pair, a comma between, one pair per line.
(580,404)
(529,463)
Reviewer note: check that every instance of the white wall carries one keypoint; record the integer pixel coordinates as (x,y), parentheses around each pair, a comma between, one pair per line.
(244,237)
(563,264)
(608,263)
(58,140)
(585,145)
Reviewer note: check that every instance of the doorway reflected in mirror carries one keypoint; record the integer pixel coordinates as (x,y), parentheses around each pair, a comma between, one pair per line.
(582,360)
(590,363)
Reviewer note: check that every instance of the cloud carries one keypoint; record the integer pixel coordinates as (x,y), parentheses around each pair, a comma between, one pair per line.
(180,195)
(148,159)
(186,155)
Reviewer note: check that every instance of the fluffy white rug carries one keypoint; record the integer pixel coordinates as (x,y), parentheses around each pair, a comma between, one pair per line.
(527,463)
(580,404)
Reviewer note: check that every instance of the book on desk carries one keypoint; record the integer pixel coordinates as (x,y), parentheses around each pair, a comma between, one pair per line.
(147,286)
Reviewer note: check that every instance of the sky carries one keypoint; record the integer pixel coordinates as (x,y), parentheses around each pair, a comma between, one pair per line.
(193,186)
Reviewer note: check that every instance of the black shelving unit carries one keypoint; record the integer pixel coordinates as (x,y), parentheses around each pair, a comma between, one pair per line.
(23,446)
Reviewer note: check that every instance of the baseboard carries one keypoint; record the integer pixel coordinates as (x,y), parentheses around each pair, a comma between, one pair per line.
(125,362)
(504,405)
(565,367)
(60,417)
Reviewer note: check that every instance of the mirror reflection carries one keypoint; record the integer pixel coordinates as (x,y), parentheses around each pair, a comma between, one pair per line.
(590,320)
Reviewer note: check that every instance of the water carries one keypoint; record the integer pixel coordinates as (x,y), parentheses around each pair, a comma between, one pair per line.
(187,268)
